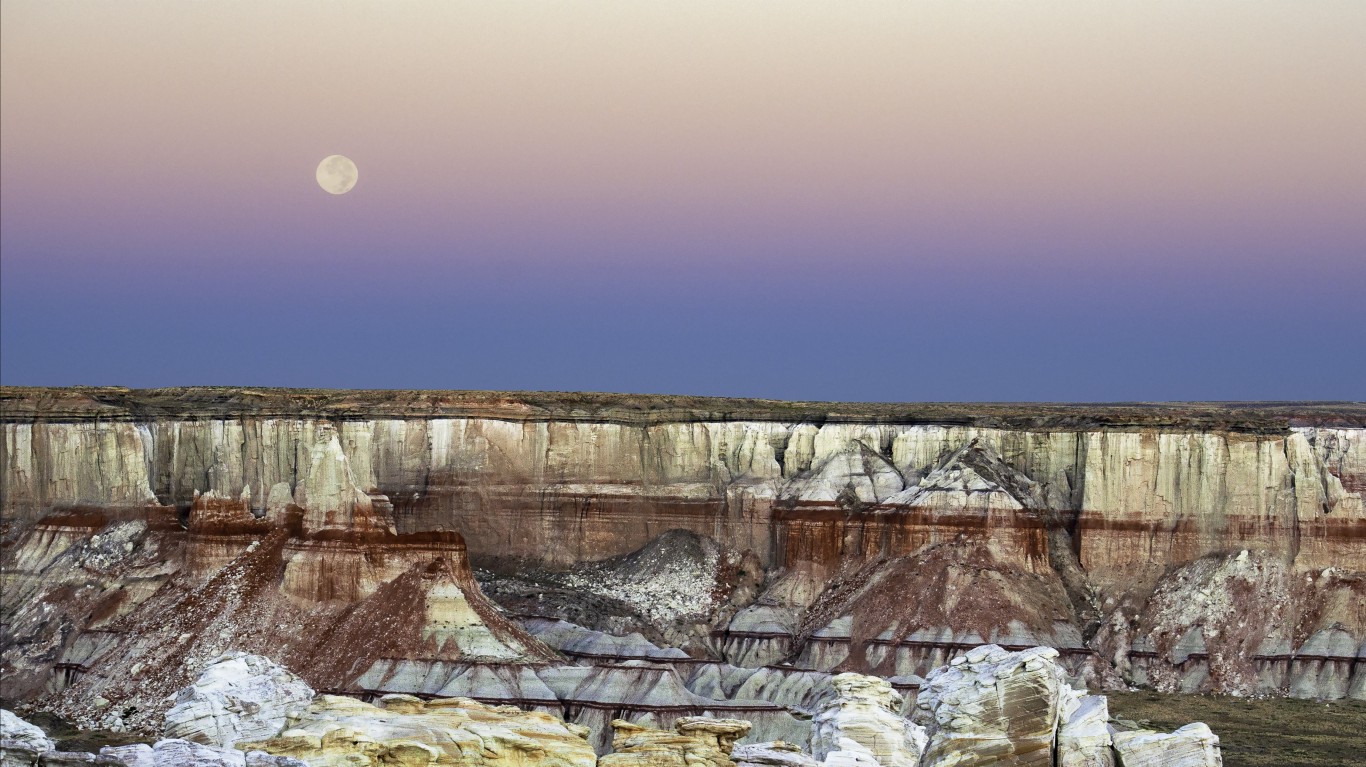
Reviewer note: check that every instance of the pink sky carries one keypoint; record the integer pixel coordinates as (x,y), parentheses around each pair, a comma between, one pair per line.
(684,142)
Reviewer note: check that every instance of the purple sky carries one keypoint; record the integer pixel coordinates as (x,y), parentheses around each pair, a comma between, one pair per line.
(899,201)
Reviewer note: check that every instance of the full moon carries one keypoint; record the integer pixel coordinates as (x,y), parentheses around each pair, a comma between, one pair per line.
(337,174)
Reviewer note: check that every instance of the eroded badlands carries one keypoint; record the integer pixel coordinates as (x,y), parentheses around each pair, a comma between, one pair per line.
(598,559)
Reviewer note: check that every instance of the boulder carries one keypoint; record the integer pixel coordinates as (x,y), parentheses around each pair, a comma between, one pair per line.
(695,742)
(774,753)
(405,731)
(173,752)
(77,759)
(135,755)
(262,759)
(862,725)
(1191,746)
(1084,737)
(992,706)
(21,743)
(720,734)
(177,752)
(237,697)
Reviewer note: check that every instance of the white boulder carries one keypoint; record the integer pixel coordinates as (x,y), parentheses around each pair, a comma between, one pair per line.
(238,697)
(861,726)
(176,752)
(135,755)
(77,759)
(1191,746)
(774,753)
(21,743)
(992,706)
(405,731)
(1084,737)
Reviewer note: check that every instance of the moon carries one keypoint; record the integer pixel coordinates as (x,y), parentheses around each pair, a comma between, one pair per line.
(337,174)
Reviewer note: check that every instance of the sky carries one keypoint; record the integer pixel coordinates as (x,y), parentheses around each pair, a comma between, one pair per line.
(863,201)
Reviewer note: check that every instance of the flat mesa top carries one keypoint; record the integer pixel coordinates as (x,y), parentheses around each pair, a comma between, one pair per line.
(19,404)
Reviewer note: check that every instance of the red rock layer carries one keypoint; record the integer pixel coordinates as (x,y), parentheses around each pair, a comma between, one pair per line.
(828,537)
(560,528)
(1106,543)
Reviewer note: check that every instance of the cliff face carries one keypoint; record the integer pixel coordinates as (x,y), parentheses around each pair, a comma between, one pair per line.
(993,508)
(566,491)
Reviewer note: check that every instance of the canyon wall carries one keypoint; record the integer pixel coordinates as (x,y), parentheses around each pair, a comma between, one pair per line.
(887,536)
(563,491)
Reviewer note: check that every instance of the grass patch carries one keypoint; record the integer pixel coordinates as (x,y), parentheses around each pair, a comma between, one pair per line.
(1279,732)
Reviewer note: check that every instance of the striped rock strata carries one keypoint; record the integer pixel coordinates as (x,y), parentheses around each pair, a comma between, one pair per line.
(1070,526)
(694,742)
(335,731)
(125,606)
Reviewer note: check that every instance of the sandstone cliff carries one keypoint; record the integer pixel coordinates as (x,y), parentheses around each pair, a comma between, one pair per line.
(831,537)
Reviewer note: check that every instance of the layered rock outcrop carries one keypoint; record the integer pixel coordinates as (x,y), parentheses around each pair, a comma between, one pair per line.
(404,730)
(477,462)
(238,697)
(1190,746)
(863,725)
(992,706)
(129,611)
(26,745)
(21,743)
(989,707)
(694,742)
(736,533)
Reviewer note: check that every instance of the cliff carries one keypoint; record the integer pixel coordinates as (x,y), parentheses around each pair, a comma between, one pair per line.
(831,536)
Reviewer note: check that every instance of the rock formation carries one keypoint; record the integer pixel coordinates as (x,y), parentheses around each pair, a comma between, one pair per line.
(863,725)
(1084,736)
(237,697)
(694,742)
(404,730)
(774,753)
(1190,746)
(176,752)
(992,706)
(680,556)
(1244,624)
(149,614)
(673,590)
(21,743)
(26,745)
(989,706)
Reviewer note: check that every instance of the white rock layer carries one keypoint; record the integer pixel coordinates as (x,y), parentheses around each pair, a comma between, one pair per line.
(774,753)
(21,743)
(176,752)
(1084,738)
(1191,746)
(237,697)
(993,707)
(862,725)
